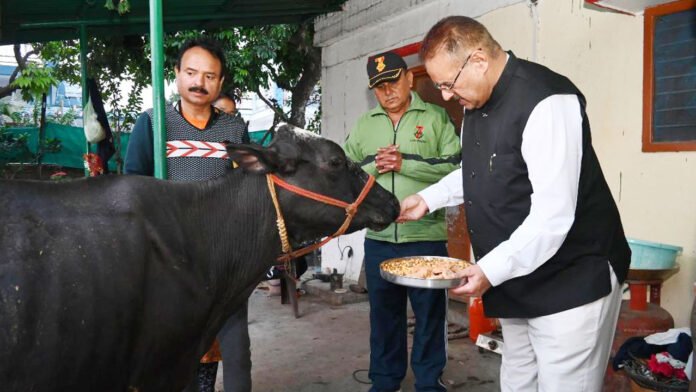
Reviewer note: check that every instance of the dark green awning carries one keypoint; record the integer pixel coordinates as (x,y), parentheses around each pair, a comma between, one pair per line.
(49,20)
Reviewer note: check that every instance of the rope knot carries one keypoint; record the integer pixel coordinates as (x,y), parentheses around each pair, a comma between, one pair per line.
(351,210)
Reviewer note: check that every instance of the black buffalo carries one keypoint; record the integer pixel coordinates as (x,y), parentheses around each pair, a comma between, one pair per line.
(121,283)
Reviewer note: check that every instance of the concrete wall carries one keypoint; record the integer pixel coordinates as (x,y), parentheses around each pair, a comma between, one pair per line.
(367,27)
(602,52)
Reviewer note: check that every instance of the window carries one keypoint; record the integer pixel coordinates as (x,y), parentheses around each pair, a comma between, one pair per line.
(669,77)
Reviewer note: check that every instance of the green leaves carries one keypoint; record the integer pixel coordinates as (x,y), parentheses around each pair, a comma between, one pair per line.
(255,56)
(64,57)
(51,145)
(66,118)
(35,81)
(122,6)
(120,66)
(14,148)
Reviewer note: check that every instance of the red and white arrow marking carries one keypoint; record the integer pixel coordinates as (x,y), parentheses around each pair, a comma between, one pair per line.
(195,148)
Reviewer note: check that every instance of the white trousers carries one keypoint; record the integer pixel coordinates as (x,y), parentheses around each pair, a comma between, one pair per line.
(562,352)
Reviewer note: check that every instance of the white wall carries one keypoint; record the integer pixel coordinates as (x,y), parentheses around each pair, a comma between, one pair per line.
(602,53)
(367,27)
(364,28)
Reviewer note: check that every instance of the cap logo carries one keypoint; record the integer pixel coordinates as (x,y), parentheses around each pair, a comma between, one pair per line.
(380,63)
(419,132)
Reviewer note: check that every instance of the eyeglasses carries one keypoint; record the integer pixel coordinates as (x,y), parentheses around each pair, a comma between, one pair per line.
(443,87)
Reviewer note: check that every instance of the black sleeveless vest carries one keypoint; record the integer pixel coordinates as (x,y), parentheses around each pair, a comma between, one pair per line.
(497,194)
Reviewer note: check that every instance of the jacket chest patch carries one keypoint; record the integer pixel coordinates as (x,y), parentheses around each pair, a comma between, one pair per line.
(418,134)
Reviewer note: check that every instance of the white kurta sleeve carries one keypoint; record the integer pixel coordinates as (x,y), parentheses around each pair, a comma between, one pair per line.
(552,150)
(444,193)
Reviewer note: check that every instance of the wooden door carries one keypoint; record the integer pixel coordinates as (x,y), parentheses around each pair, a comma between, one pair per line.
(458,244)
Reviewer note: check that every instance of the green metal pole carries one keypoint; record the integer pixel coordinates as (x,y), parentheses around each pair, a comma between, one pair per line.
(83,79)
(158,121)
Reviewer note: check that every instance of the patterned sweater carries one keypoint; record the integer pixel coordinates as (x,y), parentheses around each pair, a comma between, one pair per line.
(192,153)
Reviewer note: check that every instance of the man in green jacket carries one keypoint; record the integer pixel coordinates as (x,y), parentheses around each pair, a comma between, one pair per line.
(407,144)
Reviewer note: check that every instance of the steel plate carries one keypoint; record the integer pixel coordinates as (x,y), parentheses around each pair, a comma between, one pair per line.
(420,282)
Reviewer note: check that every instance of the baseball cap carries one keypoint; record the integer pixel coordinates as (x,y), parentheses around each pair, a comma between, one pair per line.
(384,67)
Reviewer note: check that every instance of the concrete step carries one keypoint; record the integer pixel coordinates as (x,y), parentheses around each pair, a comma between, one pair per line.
(323,291)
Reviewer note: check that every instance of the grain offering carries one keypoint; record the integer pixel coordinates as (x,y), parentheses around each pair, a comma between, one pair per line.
(425,267)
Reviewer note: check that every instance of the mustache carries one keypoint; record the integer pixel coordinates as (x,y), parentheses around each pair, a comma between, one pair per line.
(197,89)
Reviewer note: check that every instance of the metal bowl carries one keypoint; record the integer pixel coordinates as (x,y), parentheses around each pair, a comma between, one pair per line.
(421,282)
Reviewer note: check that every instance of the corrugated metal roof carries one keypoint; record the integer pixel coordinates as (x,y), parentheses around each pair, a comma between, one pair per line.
(48,20)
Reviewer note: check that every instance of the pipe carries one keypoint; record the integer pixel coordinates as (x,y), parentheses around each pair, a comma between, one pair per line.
(534,9)
(157,67)
(83,80)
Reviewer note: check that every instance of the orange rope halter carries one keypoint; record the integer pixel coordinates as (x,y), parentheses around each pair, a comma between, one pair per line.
(351,209)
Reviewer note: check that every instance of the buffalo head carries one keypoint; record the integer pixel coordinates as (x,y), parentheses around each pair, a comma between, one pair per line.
(311,162)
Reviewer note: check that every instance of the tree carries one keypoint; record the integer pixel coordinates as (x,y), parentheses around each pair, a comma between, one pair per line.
(119,65)
(22,62)
(256,55)
(34,80)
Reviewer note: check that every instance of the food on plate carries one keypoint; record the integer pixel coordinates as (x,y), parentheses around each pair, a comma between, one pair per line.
(426,267)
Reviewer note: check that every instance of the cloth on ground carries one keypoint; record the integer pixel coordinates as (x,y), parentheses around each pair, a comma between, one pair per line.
(668,337)
(680,348)
(637,347)
(663,364)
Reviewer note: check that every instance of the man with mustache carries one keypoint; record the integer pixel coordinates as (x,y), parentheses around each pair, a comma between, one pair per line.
(199,71)
(196,136)
(407,144)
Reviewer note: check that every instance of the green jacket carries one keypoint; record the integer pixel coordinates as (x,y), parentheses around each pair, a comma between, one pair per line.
(430,150)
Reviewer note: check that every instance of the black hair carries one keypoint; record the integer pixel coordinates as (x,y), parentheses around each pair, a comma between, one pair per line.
(210,45)
(231,95)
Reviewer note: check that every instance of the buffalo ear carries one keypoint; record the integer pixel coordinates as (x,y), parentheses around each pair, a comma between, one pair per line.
(254,159)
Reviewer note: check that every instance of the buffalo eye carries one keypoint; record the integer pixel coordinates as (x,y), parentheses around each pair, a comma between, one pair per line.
(336,162)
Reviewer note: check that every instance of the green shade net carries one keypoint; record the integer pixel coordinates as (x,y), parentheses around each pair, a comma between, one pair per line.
(72,141)
(256,137)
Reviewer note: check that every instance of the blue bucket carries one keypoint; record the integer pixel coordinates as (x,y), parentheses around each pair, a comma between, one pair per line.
(651,255)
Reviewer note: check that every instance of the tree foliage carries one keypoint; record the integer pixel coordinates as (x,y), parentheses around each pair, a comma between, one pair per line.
(256,55)
(34,80)
(22,62)
(120,66)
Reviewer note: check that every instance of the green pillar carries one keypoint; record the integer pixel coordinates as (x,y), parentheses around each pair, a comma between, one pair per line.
(83,78)
(158,121)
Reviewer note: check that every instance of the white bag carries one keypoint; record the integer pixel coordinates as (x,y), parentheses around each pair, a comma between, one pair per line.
(94,133)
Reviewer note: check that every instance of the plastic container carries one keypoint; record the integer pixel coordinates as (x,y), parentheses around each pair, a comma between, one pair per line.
(652,255)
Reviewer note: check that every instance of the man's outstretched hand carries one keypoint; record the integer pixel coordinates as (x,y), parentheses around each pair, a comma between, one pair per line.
(412,208)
